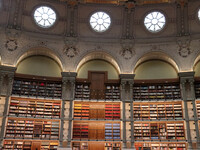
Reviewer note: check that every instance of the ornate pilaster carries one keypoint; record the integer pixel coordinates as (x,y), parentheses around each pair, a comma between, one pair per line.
(72,12)
(68,88)
(127,96)
(128,20)
(182,15)
(184,79)
(6,76)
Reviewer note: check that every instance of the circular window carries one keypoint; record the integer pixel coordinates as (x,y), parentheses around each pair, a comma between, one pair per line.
(199,14)
(154,21)
(100,21)
(44,16)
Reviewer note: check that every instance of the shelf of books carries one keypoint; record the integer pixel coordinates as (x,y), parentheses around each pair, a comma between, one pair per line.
(112,92)
(160,146)
(96,130)
(82,91)
(198,108)
(156,91)
(35,86)
(159,130)
(23,128)
(28,145)
(197,87)
(158,110)
(97,110)
(34,108)
(98,145)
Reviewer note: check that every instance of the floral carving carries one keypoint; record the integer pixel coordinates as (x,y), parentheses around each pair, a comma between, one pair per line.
(127,53)
(71,51)
(127,49)
(184,48)
(11,45)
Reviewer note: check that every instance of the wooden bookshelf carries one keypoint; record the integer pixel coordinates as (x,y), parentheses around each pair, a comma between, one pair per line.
(155,91)
(97,110)
(34,108)
(157,110)
(198,108)
(82,91)
(95,130)
(35,86)
(112,91)
(160,146)
(22,128)
(86,89)
(28,145)
(197,87)
(96,145)
(159,130)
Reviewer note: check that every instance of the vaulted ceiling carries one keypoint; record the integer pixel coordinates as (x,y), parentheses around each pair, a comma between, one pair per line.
(118,2)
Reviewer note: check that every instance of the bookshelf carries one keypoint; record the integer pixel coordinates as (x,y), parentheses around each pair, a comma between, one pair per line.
(156,91)
(160,146)
(22,128)
(27,145)
(100,145)
(95,130)
(157,110)
(112,146)
(198,108)
(197,88)
(112,92)
(82,90)
(99,110)
(34,108)
(35,86)
(159,130)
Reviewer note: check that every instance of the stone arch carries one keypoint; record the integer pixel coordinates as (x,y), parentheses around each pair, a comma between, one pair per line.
(98,55)
(156,56)
(39,51)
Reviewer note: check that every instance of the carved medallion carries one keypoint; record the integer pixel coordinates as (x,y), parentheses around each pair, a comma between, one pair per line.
(184,48)
(127,53)
(71,51)
(11,45)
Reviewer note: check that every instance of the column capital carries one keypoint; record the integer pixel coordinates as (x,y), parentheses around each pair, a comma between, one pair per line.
(186,76)
(127,78)
(68,76)
(7,70)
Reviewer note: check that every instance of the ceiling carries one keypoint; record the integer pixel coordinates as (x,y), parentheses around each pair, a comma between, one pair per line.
(120,2)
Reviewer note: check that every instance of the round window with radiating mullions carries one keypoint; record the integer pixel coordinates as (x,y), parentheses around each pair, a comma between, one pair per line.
(199,14)
(155,21)
(44,16)
(100,21)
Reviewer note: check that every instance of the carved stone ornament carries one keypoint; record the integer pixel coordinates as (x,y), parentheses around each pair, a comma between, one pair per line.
(127,49)
(127,53)
(70,51)
(11,45)
(184,49)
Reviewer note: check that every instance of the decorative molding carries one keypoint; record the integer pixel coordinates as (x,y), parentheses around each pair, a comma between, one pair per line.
(184,49)
(71,51)
(70,47)
(127,51)
(11,45)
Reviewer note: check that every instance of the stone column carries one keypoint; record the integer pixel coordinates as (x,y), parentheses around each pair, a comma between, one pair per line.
(7,76)
(68,87)
(191,81)
(127,96)
(184,78)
